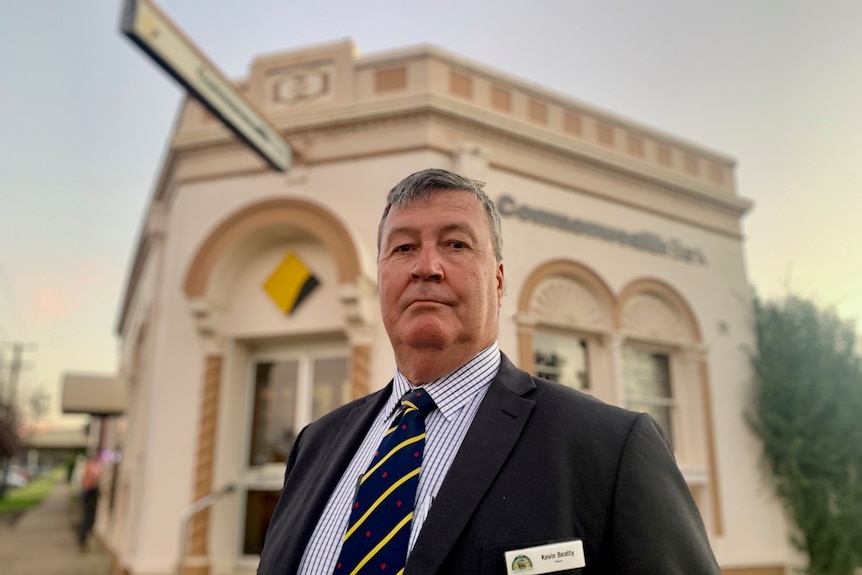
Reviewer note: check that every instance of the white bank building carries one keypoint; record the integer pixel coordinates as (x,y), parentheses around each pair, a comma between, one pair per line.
(251,305)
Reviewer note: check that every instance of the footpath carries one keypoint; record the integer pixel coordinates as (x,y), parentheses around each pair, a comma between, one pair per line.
(43,541)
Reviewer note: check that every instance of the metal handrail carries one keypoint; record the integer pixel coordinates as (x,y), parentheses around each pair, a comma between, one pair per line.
(191,511)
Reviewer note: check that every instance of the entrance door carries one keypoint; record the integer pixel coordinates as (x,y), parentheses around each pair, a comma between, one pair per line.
(291,388)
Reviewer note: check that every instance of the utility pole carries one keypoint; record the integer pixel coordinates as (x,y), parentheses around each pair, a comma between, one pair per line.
(2,379)
(10,390)
(14,372)
(10,398)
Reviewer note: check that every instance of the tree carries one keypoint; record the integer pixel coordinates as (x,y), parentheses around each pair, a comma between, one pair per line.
(9,441)
(38,403)
(807,410)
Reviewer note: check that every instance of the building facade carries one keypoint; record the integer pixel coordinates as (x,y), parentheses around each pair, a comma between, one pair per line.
(251,305)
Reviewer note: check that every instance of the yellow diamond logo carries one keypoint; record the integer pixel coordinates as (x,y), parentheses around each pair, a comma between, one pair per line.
(290,283)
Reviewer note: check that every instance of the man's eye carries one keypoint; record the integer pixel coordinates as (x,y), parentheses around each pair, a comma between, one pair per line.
(458,245)
(402,248)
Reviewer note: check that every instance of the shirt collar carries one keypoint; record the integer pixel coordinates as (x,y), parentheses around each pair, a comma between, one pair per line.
(452,391)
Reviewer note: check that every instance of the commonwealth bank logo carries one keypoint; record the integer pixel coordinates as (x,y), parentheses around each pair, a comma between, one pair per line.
(290,284)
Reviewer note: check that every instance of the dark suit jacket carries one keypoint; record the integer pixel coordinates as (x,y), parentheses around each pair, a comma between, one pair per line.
(540,463)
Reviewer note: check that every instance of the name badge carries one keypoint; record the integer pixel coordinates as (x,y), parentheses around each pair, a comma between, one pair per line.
(546,558)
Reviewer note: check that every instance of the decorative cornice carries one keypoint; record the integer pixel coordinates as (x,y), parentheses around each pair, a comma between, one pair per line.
(531,89)
(474,122)
(607,163)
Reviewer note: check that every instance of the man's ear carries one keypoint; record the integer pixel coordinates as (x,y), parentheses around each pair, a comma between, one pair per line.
(500,276)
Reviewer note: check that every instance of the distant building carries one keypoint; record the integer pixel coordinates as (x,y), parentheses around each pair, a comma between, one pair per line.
(251,305)
(47,446)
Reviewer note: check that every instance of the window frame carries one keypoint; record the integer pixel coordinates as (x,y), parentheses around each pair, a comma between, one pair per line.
(673,402)
(588,340)
(270,476)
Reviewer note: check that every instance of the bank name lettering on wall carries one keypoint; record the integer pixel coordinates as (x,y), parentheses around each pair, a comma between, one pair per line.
(646,241)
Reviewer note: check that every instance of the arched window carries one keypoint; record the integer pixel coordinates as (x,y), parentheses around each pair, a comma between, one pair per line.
(642,350)
(658,332)
(281,350)
(662,370)
(565,317)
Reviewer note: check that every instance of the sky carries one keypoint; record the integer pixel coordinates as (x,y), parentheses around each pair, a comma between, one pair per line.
(85,118)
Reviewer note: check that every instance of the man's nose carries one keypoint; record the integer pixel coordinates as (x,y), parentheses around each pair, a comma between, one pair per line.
(427,265)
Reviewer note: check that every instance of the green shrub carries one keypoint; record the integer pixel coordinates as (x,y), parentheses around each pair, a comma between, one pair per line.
(23,498)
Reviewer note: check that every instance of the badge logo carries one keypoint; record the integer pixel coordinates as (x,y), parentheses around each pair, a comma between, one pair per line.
(522,563)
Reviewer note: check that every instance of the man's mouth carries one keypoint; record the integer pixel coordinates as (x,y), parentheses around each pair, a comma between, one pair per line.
(426,302)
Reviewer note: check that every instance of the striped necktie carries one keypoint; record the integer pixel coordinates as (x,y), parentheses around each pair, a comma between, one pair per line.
(378,532)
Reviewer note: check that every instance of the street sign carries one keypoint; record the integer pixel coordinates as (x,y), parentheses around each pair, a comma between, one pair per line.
(156,35)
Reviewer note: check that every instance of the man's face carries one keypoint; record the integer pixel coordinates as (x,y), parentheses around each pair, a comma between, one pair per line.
(440,285)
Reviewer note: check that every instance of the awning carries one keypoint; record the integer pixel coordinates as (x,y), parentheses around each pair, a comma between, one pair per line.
(56,439)
(93,394)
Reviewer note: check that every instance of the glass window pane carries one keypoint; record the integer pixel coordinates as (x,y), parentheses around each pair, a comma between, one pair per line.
(647,374)
(331,385)
(273,423)
(648,386)
(259,507)
(561,358)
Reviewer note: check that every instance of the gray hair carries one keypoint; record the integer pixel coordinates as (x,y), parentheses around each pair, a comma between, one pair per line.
(422,185)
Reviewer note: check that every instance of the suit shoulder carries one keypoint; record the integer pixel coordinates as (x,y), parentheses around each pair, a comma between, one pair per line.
(554,398)
(580,407)
(547,390)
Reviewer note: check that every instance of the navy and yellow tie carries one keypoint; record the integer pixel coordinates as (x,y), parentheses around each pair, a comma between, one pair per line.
(378,531)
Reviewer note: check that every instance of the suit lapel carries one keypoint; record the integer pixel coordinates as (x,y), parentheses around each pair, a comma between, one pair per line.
(489,441)
(342,449)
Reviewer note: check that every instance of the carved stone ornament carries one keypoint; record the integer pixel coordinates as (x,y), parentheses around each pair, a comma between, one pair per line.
(649,317)
(564,301)
(302,86)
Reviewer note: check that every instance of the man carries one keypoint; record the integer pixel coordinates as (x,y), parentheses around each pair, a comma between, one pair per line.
(517,473)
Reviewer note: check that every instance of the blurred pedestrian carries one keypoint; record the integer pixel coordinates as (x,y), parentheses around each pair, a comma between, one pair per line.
(90,480)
